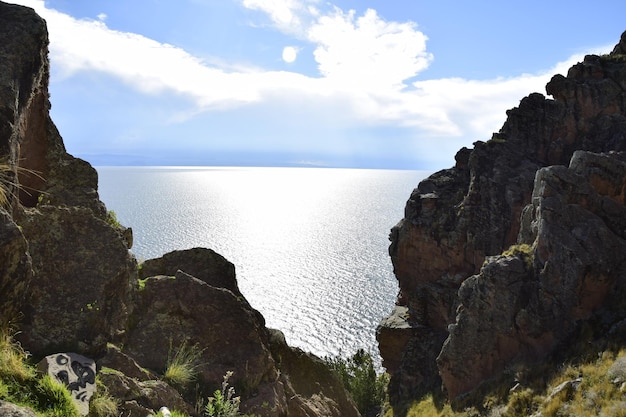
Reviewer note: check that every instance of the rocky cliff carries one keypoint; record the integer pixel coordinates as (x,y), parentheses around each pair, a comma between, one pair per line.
(68,281)
(502,257)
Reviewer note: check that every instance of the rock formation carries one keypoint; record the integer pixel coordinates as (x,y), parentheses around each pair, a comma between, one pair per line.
(69,283)
(472,310)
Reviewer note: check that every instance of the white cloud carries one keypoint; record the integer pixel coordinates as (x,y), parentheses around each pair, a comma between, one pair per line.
(290,54)
(102,16)
(366,65)
(290,16)
(367,51)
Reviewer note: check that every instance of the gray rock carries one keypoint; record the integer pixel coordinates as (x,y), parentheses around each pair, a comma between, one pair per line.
(12,410)
(204,264)
(146,396)
(81,295)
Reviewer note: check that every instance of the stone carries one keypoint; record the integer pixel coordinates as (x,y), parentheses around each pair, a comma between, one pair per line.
(311,388)
(146,397)
(76,372)
(177,310)
(81,294)
(204,264)
(12,410)
(565,386)
(458,218)
(16,272)
(119,361)
(394,334)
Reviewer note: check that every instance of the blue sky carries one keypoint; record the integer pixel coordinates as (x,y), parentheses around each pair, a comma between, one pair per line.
(377,84)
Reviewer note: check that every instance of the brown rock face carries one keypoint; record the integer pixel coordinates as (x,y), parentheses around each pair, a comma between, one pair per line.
(16,271)
(204,264)
(457,217)
(171,311)
(271,378)
(81,293)
(80,283)
(311,389)
(521,305)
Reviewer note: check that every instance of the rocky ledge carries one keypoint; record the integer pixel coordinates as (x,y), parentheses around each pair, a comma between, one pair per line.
(503,258)
(69,283)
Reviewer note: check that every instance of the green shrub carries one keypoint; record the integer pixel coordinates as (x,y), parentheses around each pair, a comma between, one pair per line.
(182,365)
(102,404)
(360,379)
(224,403)
(13,366)
(54,398)
(112,219)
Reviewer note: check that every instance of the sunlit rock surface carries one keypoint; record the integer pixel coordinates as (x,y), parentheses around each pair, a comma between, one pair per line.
(458,218)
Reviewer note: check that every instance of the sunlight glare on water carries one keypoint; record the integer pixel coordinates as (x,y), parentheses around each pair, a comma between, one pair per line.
(309,244)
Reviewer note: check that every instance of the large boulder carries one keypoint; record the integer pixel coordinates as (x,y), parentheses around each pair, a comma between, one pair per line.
(175,309)
(181,310)
(457,217)
(311,388)
(202,263)
(76,372)
(80,296)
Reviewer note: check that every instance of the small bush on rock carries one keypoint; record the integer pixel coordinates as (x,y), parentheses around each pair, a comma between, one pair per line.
(360,379)
(182,365)
(55,398)
(224,403)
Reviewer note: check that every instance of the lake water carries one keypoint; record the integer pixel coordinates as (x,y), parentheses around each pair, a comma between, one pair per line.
(309,244)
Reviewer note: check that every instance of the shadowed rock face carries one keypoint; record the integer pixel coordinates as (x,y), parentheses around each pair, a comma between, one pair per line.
(181,309)
(522,304)
(79,286)
(458,218)
(201,263)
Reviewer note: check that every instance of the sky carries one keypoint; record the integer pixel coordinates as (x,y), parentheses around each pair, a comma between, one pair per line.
(394,84)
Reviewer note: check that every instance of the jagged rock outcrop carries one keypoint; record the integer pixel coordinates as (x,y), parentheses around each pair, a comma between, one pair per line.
(81,294)
(311,388)
(77,297)
(204,264)
(172,311)
(175,309)
(520,306)
(69,282)
(458,218)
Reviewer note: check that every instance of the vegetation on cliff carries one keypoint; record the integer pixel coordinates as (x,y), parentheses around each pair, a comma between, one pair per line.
(367,388)
(586,379)
(22,385)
